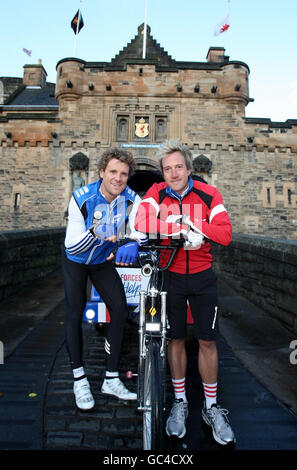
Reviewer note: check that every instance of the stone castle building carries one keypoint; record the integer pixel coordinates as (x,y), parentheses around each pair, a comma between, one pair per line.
(52,135)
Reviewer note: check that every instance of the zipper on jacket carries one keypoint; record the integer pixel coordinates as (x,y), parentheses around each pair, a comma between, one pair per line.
(187,252)
(92,252)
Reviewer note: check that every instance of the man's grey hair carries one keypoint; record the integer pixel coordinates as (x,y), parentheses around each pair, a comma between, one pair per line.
(171,146)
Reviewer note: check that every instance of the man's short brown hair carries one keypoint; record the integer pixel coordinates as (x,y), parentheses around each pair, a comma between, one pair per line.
(119,154)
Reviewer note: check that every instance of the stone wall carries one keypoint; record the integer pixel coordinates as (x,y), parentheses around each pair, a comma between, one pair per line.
(26,256)
(100,104)
(253,160)
(258,186)
(263,270)
(7,86)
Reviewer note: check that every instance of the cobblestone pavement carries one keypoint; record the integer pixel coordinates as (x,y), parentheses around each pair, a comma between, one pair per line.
(37,409)
(112,423)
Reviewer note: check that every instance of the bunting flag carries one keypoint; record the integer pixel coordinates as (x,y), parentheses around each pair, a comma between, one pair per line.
(77,23)
(223,26)
(27,51)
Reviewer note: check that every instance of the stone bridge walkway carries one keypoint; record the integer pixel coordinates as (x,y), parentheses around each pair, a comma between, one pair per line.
(37,410)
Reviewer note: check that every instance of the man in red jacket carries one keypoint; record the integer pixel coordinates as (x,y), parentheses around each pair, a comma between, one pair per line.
(194,210)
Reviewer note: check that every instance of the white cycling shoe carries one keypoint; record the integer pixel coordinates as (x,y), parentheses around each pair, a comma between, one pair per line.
(83,397)
(116,388)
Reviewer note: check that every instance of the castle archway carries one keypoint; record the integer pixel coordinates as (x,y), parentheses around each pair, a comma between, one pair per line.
(147,173)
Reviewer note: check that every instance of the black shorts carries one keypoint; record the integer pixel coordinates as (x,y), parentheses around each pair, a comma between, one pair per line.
(201,292)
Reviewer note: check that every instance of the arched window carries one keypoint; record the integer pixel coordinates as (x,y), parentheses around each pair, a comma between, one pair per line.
(122,128)
(161,128)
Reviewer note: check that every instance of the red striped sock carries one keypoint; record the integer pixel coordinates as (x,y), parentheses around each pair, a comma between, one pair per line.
(179,386)
(210,394)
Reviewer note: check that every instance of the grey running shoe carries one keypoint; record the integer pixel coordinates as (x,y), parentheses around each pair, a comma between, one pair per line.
(216,417)
(175,425)
(116,388)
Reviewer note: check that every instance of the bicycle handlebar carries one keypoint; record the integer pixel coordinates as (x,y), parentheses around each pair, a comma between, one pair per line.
(158,247)
(150,245)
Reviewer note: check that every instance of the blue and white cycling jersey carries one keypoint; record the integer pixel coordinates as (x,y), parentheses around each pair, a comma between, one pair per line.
(88,206)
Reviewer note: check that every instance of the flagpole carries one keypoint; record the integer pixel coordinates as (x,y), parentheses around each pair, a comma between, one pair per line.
(76,34)
(144,32)
(229,53)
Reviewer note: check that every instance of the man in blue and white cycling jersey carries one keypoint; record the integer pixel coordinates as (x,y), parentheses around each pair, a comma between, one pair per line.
(100,217)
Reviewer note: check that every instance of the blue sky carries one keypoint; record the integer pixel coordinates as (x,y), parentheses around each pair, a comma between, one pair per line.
(263,34)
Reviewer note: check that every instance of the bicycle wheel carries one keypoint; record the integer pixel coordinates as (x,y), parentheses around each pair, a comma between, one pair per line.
(153,398)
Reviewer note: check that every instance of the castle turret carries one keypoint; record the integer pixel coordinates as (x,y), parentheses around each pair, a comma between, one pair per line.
(234,84)
(70,74)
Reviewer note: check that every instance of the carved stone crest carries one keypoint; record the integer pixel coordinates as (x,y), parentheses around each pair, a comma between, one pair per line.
(141,128)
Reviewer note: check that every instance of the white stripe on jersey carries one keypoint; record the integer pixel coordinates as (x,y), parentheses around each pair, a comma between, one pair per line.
(152,201)
(82,245)
(81,191)
(216,210)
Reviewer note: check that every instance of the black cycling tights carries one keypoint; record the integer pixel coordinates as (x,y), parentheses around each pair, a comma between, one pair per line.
(109,285)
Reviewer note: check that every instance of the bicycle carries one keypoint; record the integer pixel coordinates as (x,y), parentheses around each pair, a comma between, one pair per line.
(151,384)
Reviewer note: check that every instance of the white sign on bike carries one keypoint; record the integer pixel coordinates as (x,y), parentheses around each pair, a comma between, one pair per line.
(133,281)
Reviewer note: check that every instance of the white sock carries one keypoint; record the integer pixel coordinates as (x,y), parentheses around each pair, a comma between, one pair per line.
(210,394)
(78,373)
(111,375)
(179,386)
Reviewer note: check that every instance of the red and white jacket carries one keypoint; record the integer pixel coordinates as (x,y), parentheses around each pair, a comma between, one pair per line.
(203,204)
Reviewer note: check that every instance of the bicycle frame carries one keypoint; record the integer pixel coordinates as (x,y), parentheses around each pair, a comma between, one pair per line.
(152,349)
(159,330)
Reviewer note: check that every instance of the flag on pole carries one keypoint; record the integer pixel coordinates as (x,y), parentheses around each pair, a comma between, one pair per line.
(223,26)
(27,51)
(77,22)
